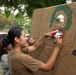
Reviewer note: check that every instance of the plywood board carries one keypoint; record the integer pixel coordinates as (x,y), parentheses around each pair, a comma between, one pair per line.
(43,21)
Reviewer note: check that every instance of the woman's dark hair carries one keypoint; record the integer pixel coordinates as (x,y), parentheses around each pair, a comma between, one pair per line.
(3,45)
(14,32)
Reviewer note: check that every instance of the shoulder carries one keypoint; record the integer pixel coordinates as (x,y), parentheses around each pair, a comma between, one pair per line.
(25,50)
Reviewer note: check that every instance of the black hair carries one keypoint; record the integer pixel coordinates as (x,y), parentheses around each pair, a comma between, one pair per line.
(4,44)
(14,32)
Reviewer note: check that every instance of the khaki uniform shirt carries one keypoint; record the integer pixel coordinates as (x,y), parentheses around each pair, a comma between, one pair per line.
(22,64)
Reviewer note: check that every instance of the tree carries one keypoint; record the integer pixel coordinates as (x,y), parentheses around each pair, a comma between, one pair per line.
(25,10)
(27,6)
(7,23)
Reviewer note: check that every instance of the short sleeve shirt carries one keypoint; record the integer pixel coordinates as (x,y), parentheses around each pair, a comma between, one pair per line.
(22,64)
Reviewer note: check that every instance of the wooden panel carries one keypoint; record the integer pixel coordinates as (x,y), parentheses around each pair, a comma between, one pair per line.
(66,61)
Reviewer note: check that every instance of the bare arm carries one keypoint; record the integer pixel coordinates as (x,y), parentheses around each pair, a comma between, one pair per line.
(50,63)
(39,42)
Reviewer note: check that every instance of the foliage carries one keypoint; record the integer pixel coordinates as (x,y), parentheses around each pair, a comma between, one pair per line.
(7,23)
(25,9)
(4,23)
(27,5)
(23,23)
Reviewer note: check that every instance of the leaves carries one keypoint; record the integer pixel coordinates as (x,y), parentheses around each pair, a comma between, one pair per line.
(30,5)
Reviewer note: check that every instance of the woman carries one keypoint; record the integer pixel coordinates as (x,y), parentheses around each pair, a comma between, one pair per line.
(23,64)
(5,48)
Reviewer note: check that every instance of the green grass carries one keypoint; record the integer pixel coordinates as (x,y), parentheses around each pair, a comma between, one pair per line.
(0,69)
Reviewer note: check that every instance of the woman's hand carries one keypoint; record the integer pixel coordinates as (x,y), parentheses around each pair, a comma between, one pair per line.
(59,42)
(49,34)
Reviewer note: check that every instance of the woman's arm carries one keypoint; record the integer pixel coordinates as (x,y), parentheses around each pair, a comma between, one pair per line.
(50,63)
(39,42)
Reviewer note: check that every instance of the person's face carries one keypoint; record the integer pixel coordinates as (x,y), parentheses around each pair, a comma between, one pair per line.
(23,39)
